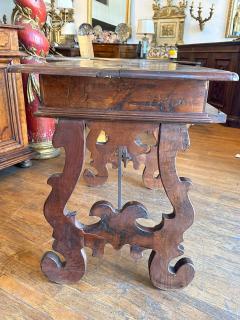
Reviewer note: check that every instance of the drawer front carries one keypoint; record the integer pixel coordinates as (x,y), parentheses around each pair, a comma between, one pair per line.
(8,39)
(128,52)
(123,95)
(106,51)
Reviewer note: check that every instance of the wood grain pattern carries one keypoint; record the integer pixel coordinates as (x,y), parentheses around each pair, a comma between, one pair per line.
(90,98)
(127,68)
(172,138)
(123,94)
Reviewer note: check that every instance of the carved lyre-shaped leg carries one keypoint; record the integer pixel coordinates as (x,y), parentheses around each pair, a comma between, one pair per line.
(151,177)
(99,158)
(169,233)
(68,241)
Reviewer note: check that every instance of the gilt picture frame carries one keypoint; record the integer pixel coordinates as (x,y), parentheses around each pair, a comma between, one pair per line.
(233,21)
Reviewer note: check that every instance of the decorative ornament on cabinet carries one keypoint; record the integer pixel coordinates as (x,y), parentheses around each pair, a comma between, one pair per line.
(31,15)
(199,17)
(169,22)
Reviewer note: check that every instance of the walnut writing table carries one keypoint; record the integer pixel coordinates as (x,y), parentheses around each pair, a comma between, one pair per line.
(125,98)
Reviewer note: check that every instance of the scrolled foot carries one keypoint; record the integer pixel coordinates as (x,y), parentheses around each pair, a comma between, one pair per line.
(169,278)
(70,271)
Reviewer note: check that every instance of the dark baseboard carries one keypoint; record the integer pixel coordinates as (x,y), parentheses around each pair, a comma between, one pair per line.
(233,121)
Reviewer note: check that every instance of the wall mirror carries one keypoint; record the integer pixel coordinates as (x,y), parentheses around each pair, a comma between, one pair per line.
(109,13)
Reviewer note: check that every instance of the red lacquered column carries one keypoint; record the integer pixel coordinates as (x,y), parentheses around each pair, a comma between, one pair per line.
(32,15)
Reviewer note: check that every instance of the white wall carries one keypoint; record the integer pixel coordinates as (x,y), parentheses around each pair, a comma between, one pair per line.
(6,7)
(214,30)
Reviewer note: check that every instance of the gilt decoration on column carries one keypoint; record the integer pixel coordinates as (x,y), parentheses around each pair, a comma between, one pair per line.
(32,15)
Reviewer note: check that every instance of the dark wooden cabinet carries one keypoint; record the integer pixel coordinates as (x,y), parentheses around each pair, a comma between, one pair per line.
(104,50)
(220,55)
(13,129)
(113,50)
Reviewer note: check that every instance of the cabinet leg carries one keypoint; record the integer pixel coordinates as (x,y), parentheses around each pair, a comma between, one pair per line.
(25,164)
(168,245)
(69,240)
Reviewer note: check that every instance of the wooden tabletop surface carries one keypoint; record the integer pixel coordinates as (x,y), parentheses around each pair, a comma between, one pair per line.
(124,68)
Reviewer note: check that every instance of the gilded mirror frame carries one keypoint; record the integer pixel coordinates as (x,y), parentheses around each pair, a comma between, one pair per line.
(231,14)
(127,16)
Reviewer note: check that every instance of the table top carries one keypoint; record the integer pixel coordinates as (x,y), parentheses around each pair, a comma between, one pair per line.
(126,68)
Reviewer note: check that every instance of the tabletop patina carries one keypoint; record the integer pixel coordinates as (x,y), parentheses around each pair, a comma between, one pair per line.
(126,68)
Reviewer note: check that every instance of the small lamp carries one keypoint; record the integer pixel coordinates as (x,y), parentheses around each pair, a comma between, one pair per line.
(145,27)
(69,29)
(65,4)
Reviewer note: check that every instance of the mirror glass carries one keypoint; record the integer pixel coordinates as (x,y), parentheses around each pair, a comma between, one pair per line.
(109,13)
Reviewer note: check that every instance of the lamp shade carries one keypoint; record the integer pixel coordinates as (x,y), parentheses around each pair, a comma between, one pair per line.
(145,26)
(69,28)
(65,4)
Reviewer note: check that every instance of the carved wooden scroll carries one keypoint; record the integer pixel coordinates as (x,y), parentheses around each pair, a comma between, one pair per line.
(68,241)
(123,134)
(120,227)
(172,138)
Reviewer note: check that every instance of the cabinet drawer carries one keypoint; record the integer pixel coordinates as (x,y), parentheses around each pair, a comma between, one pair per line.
(8,40)
(5,42)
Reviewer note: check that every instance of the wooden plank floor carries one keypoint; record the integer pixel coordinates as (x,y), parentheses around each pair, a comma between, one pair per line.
(116,287)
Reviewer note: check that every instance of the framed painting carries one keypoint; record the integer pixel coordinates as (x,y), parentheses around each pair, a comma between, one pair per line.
(168,30)
(233,22)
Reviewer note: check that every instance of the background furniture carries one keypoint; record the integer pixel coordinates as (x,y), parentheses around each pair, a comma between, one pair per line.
(129,99)
(13,128)
(224,56)
(104,50)
(115,50)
